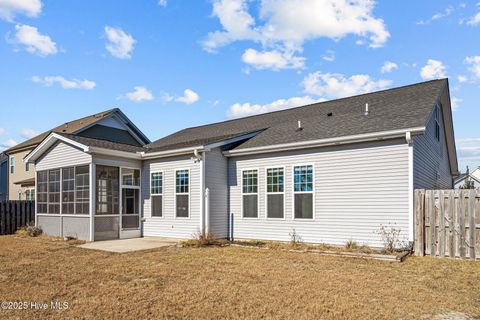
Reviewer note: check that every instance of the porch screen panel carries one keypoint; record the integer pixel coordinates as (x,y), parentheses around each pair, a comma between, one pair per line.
(68,190)
(107,182)
(42,192)
(82,190)
(54,191)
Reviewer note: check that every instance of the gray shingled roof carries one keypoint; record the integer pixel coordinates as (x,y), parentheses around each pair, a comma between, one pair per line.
(392,109)
(91,142)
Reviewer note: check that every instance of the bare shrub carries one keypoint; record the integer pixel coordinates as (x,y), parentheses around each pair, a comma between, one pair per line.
(351,245)
(391,238)
(296,240)
(202,239)
(29,230)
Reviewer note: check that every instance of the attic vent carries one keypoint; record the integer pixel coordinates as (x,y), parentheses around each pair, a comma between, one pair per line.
(366,109)
(329,114)
(299,126)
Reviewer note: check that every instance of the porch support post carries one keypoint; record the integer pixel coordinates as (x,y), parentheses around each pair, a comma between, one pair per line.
(92,200)
(202,194)
(410,187)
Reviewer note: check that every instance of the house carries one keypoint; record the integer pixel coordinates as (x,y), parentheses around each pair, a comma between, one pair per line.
(3,177)
(329,171)
(110,124)
(473,176)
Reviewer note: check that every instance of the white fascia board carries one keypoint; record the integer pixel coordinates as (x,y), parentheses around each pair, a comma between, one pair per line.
(171,153)
(48,142)
(115,153)
(326,142)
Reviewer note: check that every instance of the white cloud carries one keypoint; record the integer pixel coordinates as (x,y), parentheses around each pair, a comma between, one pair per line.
(34,42)
(2,131)
(334,85)
(434,69)
(10,8)
(475,20)
(474,63)
(8,144)
(28,133)
(120,44)
(462,78)
(162,3)
(279,28)
(139,94)
(388,67)
(65,83)
(274,60)
(437,16)
(189,97)
(239,110)
(456,103)
(329,56)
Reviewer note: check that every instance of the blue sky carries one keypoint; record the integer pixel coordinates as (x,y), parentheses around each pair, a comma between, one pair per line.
(171,64)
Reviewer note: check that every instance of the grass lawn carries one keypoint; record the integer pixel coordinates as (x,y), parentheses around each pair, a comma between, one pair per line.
(230,282)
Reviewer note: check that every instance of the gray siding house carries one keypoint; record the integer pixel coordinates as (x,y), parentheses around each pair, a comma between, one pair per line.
(331,171)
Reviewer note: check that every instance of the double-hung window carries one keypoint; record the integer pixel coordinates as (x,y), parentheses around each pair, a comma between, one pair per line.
(275,192)
(250,193)
(303,183)
(156,193)
(12,165)
(182,185)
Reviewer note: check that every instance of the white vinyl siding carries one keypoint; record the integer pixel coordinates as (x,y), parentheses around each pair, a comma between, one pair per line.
(216,180)
(358,188)
(431,167)
(169,225)
(62,155)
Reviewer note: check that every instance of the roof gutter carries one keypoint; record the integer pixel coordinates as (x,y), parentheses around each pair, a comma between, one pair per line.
(171,153)
(327,142)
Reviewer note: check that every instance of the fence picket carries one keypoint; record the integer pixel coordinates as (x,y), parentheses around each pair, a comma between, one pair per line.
(441,230)
(451,224)
(471,224)
(15,214)
(461,222)
(433,213)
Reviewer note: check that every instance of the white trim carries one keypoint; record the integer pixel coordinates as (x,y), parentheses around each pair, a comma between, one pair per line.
(410,192)
(63,215)
(325,142)
(92,191)
(157,194)
(204,220)
(313,192)
(282,193)
(184,193)
(170,153)
(115,153)
(258,193)
(48,142)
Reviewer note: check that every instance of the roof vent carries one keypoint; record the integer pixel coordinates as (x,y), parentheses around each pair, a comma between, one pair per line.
(299,128)
(366,109)
(329,114)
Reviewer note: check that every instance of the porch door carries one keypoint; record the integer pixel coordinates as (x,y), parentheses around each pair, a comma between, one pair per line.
(130,227)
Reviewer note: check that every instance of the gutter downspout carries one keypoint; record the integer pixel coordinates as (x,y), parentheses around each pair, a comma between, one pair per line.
(409,139)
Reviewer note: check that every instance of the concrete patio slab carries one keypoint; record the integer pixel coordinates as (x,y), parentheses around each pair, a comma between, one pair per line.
(129,245)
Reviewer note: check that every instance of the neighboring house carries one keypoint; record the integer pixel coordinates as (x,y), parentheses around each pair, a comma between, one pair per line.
(473,176)
(111,124)
(331,171)
(3,177)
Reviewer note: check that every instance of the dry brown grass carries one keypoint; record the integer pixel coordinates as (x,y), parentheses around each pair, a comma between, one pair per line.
(229,282)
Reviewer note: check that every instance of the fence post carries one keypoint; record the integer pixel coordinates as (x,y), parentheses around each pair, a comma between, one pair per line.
(461,221)
(441,230)
(471,225)
(433,213)
(419,202)
(451,224)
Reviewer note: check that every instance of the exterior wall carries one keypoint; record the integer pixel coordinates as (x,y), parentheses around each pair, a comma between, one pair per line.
(19,174)
(358,188)
(3,178)
(476,173)
(63,155)
(168,225)
(216,180)
(431,167)
(461,183)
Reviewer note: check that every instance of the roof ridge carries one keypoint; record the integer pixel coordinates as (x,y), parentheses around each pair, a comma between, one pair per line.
(315,103)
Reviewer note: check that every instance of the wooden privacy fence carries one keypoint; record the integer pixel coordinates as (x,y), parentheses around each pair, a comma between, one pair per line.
(15,214)
(447,223)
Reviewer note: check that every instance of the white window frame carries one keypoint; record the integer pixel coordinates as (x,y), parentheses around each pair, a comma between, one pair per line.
(161,194)
(258,193)
(120,197)
(180,193)
(30,191)
(313,192)
(11,166)
(267,193)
